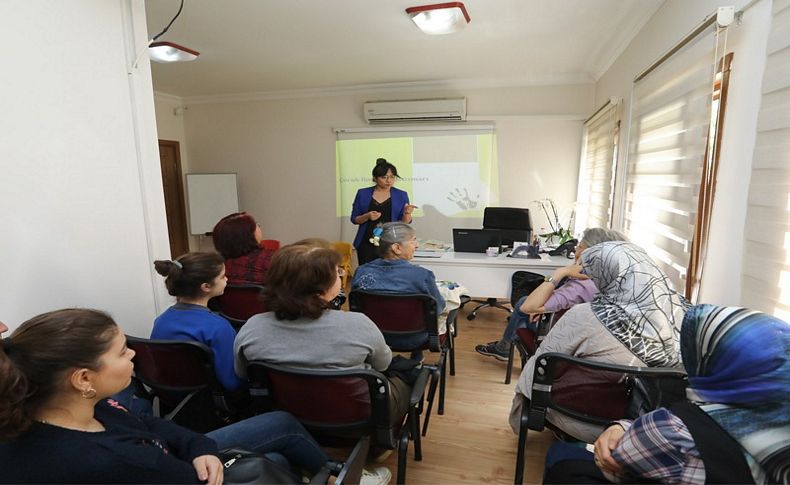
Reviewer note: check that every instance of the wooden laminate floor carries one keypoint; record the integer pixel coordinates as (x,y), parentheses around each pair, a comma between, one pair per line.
(472,442)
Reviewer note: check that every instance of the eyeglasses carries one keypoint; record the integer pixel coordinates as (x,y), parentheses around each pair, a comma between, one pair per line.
(387,177)
(341,271)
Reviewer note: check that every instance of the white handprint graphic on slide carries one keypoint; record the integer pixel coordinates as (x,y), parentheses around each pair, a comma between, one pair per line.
(462,199)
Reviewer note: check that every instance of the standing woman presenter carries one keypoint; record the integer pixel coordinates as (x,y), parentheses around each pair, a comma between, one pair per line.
(374,206)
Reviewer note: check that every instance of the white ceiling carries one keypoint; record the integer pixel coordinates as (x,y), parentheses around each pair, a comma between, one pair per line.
(269,46)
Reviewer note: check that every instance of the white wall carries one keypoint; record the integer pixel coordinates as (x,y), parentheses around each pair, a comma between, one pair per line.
(672,22)
(284,149)
(82,204)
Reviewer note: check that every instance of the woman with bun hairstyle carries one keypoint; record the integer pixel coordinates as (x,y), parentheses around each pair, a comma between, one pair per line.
(57,424)
(238,238)
(377,205)
(195,278)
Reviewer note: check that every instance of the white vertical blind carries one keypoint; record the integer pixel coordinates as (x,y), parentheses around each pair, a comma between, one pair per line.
(766,263)
(670,120)
(594,200)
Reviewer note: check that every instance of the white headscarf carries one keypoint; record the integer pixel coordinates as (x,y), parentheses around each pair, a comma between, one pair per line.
(636,302)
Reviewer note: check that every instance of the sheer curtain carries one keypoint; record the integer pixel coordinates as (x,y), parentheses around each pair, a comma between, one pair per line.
(766,262)
(596,180)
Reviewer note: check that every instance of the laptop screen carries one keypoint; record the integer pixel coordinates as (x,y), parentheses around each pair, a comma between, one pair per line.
(475,240)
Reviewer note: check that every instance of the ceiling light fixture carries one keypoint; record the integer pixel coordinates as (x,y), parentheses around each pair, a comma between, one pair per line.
(170,51)
(440,18)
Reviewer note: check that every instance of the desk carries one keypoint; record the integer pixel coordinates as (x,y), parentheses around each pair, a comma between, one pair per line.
(487,276)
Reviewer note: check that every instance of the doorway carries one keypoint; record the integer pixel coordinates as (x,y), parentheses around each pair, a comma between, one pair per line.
(172,182)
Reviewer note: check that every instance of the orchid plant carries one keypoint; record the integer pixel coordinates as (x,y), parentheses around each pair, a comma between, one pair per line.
(563,233)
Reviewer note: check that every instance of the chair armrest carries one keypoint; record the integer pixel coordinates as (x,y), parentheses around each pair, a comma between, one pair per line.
(322,477)
(352,470)
(418,390)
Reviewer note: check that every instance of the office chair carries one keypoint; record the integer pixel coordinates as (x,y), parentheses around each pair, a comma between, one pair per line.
(179,377)
(592,392)
(238,303)
(513,224)
(404,315)
(337,405)
(346,251)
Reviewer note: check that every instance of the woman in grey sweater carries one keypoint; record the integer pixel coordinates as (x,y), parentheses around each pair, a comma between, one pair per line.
(301,331)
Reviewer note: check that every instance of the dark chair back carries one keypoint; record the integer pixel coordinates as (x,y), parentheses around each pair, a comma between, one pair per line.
(522,283)
(400,315)
(343,404)
(180,376)
(593,392)
(238,303)
(330,403)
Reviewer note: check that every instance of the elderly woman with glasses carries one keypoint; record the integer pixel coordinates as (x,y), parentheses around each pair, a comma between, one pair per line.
(376,205)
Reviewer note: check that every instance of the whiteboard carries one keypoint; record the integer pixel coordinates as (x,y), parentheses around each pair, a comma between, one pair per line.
(211,197)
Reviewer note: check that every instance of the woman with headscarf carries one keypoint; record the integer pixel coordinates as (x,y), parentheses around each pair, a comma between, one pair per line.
(634,320)
(738,365)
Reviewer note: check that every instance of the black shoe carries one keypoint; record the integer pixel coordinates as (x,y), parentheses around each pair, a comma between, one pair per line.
(492,350)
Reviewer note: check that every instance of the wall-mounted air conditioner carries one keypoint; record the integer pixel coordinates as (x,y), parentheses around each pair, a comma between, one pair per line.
(452,109)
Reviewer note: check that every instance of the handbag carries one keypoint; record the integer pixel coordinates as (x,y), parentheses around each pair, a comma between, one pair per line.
(244,467)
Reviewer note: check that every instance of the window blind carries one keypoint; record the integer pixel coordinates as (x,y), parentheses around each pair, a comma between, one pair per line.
(594,199)
(766,262)
(670,121)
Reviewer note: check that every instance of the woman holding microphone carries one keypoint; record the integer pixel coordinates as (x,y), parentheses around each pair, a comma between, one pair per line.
(374,206)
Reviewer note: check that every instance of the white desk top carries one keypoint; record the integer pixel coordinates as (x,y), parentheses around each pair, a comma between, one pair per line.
(481,259)
(486,275)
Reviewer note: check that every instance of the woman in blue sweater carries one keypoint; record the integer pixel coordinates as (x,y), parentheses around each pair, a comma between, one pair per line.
(194,279)
(57,424)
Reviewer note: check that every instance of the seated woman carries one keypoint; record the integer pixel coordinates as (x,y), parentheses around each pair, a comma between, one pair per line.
(738,363)
(237,237)
(194,279)
(57,425)
(301,331)
(564,288)
(634,320)
(393,272)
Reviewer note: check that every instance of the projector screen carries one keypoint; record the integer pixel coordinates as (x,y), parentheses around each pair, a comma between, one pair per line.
(450,173)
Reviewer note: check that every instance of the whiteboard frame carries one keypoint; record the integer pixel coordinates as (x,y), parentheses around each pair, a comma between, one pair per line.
(209,202)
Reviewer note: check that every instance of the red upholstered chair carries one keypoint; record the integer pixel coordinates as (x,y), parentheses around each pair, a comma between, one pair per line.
(528,342)
(238,304)
(270,244)
(341,405)
(179,377)
(592,392)
(404,315)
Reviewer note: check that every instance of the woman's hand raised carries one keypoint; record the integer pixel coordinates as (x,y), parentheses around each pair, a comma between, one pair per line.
(209,469)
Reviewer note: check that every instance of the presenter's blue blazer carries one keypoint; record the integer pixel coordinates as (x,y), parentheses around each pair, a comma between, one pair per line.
(362,201)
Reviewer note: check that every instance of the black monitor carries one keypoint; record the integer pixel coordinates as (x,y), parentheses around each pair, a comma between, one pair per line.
(513,223)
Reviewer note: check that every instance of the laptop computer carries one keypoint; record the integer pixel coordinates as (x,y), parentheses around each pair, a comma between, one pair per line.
(475,240)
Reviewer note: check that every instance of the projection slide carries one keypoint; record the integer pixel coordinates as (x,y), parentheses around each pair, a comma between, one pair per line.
(451,177)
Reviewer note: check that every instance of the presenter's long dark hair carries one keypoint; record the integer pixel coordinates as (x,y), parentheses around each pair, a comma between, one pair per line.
(382,167)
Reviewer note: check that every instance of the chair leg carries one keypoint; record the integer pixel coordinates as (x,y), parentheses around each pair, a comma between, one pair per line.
(435,376)
(509,371)
(452,353)
(442,383)
(521,450)
(403,448)
(414,430)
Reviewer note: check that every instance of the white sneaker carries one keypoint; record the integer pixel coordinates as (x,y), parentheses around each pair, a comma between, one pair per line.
(379,476)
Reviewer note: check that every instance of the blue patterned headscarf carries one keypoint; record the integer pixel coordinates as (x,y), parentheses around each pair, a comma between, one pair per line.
(738,363)
(636,303)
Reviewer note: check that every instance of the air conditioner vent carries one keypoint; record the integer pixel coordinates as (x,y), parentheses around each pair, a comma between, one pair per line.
(417,110)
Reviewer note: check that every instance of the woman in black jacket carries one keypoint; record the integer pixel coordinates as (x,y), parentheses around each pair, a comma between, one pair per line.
(57,424)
